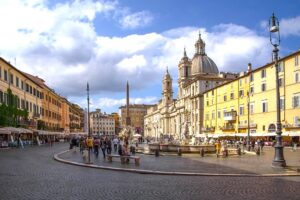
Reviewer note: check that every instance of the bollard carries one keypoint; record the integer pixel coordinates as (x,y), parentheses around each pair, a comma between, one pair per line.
(202,152)
(179,151)
(239,152)
(156,152)
(257,151)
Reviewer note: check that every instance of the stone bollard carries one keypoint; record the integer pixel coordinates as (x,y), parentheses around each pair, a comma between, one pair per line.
(239,152)
(202,152)
(179,152)
(156,152)
(257,151)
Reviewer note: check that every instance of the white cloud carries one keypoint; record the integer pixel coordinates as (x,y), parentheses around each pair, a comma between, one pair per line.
(135,20)
(106,103)
(60,45)
(290,26)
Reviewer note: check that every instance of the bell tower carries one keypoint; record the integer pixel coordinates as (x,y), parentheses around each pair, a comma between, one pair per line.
(167,91)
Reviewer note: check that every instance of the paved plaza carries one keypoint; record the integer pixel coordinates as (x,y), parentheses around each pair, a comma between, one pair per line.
(32,173)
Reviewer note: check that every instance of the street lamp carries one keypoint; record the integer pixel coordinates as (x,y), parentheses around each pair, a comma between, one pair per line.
(275,41)
(88,121)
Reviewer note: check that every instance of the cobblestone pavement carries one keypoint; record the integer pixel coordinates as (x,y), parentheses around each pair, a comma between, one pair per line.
(31,173)
(193,163)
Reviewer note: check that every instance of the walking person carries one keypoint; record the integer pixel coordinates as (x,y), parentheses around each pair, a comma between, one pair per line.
(96,146)
(115,143)
(108,145)
(89,143)
(103,146)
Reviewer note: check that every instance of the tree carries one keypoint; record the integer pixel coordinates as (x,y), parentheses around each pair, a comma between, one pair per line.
(9,112)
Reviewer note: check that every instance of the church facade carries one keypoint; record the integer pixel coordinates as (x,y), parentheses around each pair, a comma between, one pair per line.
(183,117)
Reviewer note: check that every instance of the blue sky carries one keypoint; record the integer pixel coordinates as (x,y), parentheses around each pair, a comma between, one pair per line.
(70,42)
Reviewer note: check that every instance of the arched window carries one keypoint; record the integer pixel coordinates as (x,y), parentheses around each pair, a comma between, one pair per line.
(186,71)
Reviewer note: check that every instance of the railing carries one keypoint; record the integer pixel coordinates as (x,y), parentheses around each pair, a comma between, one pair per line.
(245,126)
(230,116)
(227,128)
(208,129)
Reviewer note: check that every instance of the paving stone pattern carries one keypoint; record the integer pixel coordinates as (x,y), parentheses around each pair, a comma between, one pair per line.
(31,173)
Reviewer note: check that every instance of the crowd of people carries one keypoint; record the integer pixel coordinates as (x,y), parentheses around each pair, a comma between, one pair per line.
(106,144)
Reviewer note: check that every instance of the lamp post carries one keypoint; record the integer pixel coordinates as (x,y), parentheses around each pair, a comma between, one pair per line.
(279,160)
(88,121)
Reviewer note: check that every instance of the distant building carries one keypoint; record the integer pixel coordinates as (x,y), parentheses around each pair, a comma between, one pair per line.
(101,123)
(136,115)
(116,117)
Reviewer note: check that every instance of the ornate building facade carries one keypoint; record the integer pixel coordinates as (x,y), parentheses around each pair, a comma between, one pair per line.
(184,116)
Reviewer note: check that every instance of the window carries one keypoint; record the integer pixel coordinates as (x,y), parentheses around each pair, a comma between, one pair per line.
(296,60)
(296,100)
(252,90)
(241,110)
(0,72)
(264,106)
(251,108)
(17,81)
(225,98)
(251,78)
(241,93)
(207,116)
(213,115)
(263,73)
(231,95)
(30,89)
(296,78)
(186,71)
(281,103)
(280,67)
(5,75)
(219,114)
(34,91)
(241,82)
(280,82)
(27,87)
(207,103)
(263,87)
(11,79)
(22,85)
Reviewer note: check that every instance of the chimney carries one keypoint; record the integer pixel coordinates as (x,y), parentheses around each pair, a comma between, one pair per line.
(249,67)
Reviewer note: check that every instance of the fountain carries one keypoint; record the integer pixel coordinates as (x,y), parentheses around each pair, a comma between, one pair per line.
(186,142)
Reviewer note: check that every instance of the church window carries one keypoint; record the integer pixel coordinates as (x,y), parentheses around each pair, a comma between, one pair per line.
(186,72)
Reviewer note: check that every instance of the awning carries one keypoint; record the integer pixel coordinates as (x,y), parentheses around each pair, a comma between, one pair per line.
(10,130)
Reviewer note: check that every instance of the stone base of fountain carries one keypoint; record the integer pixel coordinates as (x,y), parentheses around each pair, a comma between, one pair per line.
(184,148)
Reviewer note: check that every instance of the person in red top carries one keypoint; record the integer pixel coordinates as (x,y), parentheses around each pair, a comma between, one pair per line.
(96,146)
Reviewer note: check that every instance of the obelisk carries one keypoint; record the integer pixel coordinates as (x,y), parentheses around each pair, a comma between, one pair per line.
(127,105)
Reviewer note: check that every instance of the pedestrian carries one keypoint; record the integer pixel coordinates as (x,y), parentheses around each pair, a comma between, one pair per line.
(115,143)
(96,146)
(73,141)
(108,145)
(89,143)
(103,146)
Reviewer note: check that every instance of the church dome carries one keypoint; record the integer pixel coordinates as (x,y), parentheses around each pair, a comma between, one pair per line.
(201,63)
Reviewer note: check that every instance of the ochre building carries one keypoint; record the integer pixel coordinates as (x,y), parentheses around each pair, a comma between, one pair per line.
(248,103)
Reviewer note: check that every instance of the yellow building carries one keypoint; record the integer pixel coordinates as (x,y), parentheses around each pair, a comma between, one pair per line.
(29,94)
(226,106)
(47,110)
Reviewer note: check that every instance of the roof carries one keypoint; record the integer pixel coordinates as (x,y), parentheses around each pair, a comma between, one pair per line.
(255,70)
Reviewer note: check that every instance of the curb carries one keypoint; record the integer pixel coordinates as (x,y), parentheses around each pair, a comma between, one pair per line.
(154,172)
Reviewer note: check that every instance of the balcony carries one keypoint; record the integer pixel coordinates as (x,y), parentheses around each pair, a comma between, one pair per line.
(245,126)
(292,126)
(230,116)
(208,129)
(228,127)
